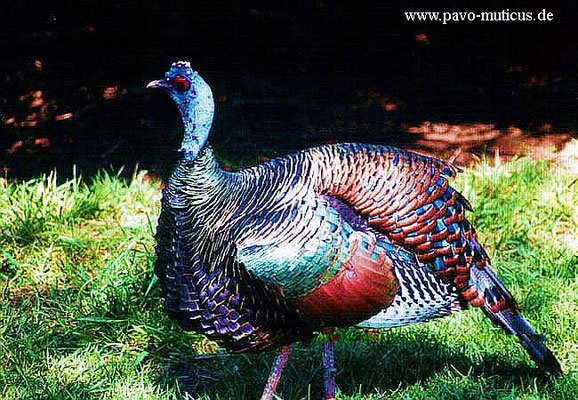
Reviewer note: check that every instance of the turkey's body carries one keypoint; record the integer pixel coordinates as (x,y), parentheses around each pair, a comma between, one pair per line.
(273,253)
(338,235)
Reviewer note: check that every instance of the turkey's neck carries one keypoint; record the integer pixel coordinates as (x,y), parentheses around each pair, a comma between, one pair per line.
(201,175)
(197,116)
(201,181)
(202,190)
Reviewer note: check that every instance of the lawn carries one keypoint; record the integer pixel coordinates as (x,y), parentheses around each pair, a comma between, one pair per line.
(81,316)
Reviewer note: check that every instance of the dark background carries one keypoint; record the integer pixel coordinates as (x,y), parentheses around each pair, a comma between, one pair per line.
(285,75)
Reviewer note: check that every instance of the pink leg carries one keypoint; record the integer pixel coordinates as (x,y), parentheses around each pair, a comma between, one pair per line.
(276,372)
(329,366)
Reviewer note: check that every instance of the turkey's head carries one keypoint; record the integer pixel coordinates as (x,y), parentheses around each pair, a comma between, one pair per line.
(195,102)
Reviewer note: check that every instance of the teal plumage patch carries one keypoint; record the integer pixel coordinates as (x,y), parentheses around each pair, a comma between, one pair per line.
(298,262)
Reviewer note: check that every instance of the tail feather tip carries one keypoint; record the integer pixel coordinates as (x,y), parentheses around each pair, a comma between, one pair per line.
(543,357)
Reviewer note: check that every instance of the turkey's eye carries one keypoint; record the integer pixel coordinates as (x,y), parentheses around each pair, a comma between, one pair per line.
(181,84)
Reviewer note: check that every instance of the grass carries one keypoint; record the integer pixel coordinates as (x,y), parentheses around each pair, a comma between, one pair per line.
(81,316)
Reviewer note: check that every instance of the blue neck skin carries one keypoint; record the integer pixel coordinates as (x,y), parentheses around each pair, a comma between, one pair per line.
(197,115)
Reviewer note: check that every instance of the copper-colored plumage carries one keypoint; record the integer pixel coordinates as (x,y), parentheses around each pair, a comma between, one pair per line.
(361,288)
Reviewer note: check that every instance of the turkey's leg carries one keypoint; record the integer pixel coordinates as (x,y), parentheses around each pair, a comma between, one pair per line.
(329,366)
(276,372)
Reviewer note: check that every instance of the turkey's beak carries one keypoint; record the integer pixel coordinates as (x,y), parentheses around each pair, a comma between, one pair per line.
(160,84)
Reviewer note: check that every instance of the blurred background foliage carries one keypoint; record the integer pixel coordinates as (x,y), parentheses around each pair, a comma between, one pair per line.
(285,75)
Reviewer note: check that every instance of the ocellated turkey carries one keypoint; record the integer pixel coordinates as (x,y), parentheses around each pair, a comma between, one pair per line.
(333,236)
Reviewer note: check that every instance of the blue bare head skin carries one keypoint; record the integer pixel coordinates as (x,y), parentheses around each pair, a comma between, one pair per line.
(195,102)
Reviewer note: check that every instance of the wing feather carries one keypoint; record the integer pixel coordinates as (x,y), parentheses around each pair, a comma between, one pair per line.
(408,198)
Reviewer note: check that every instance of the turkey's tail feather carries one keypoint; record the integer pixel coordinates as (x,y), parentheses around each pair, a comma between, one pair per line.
(501,308)
(515,323)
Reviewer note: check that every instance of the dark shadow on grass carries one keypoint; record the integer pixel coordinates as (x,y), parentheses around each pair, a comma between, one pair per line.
(363,368)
